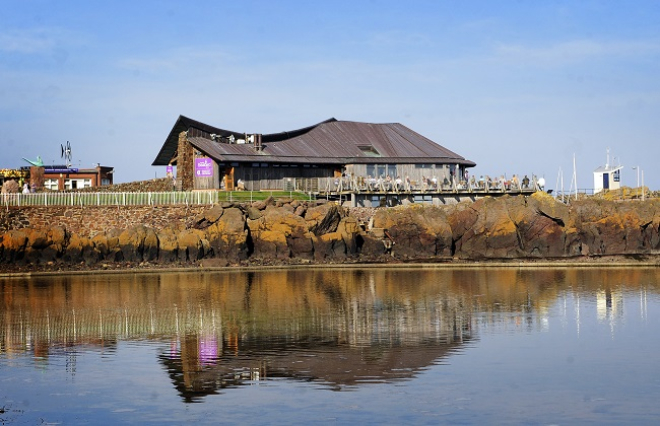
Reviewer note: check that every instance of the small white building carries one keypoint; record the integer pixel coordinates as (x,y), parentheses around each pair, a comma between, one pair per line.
(607,176)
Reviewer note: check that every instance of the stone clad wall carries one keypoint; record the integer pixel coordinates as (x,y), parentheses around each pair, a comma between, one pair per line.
(185,164)
(87,221)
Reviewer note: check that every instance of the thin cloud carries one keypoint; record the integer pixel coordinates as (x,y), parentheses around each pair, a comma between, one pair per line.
(35,40)
(179,61)
(575,51)
(390,39)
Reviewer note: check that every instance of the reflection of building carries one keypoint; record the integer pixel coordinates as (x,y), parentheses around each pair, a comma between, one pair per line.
(609,304)
(336,327)
(320,359)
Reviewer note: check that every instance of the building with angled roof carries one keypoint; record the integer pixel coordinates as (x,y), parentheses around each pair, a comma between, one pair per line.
(306,159)
(607,177)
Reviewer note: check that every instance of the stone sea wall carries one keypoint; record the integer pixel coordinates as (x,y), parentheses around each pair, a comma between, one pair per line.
(87,221)
(285,231)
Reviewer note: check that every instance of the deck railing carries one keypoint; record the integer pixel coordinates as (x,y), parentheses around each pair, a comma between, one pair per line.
(361,184)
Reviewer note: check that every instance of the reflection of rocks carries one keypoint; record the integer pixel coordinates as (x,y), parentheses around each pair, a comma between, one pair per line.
(285,231)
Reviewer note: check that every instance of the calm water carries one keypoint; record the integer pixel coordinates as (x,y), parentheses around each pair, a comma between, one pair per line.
(387,346)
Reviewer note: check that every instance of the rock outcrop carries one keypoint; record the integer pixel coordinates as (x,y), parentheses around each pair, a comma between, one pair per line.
(285,231)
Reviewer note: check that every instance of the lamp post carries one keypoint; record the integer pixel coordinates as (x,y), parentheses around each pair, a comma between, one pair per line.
(637,168)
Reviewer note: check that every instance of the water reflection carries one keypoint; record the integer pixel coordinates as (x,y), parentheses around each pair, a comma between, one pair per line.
(339,328)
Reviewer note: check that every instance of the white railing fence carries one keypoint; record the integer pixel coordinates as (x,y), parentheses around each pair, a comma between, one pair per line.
(110,198)
(141,198)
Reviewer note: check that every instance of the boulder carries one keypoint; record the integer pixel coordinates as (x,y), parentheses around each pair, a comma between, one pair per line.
(169,246)
(213,214)
(493,235)
(349,229)
(418,231)
(323,219)
(12,246)
(253,213)
(132,243)
(190,245)
(208,217)
(271,234)
(46,244)
(330,246)
(371,244)
(75,248)
(228,237)
(301,247)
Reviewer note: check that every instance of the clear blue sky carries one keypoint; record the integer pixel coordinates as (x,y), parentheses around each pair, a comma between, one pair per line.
(516,86)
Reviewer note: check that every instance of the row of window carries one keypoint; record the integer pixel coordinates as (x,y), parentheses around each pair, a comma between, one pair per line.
(69,184)
(391,170)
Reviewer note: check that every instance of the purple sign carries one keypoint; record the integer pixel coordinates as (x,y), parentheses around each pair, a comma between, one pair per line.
(169,170)
(203,167)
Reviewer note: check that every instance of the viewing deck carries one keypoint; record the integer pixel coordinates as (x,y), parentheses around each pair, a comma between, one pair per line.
(381,193)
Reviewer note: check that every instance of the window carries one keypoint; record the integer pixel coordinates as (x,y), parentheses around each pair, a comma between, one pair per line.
(616,175)
(369,151)
(70,184)
(51,184)
(391,170)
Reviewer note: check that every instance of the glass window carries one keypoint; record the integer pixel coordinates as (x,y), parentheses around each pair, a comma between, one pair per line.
(391,170)
(51,184)
(369,151)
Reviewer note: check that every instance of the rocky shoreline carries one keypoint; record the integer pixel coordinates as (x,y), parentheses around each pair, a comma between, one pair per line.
(504,231)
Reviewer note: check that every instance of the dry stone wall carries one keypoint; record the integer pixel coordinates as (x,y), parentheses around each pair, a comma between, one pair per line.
(88,221)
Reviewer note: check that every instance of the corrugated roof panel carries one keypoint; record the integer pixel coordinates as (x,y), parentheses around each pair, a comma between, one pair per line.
(337,142)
